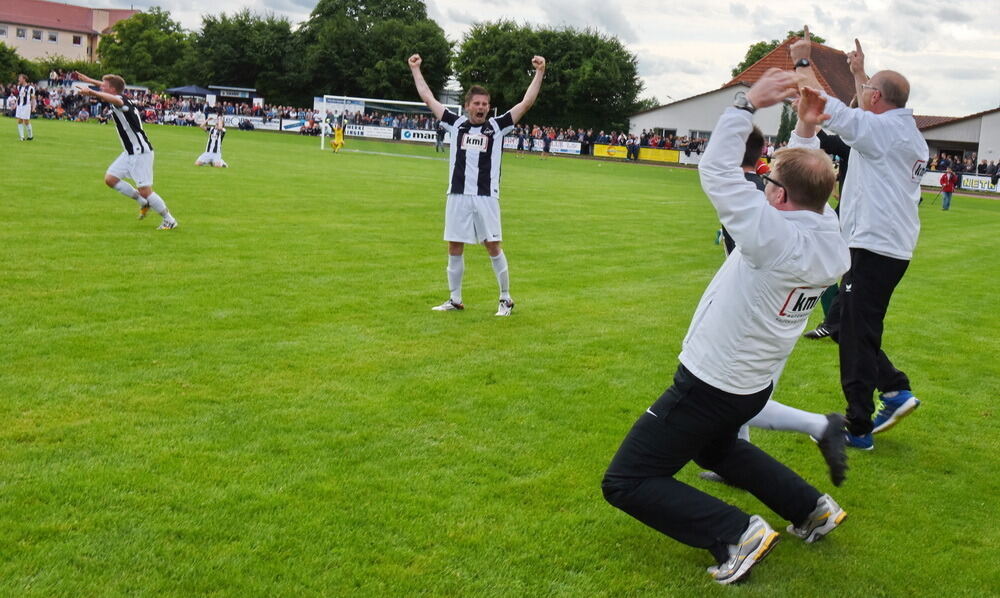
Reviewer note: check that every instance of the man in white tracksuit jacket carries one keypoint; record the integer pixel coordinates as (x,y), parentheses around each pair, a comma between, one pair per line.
(879,220)
(789,249)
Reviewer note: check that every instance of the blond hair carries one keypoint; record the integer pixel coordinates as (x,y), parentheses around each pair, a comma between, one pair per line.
(116,82)
(807,175)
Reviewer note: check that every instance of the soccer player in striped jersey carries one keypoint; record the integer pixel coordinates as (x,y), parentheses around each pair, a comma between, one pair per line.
(472,211)
(25,106)
(213,149)
(136,161)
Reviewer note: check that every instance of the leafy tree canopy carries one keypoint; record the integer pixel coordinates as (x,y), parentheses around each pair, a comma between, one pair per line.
(762,48)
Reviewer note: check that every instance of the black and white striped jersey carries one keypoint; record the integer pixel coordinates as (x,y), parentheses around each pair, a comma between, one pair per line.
(129,124)
(214,145)
(474,165)
(25,95)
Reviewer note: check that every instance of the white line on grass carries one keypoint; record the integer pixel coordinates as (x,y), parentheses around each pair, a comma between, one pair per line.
(395,155)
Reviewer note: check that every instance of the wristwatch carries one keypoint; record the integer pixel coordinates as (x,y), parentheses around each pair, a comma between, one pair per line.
(802,62)
(742,102)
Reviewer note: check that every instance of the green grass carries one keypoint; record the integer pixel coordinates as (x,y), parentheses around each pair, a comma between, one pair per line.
(261,403)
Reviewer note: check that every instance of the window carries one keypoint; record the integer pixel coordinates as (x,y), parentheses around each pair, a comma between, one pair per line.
(36,35)
(77,40)
(3,31)
(700,134)
(53,37)
(22,33)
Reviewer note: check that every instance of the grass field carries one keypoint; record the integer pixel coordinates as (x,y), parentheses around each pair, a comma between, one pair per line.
(261,403)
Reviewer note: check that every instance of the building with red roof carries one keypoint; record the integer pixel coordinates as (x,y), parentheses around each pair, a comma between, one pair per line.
(696,116)
(38,28)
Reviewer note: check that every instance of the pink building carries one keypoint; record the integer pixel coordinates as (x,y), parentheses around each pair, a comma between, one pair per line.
(38,28)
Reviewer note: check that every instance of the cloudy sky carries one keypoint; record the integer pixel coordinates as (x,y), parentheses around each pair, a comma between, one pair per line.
(951,55)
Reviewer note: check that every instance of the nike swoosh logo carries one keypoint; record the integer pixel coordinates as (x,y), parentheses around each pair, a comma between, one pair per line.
(651,413)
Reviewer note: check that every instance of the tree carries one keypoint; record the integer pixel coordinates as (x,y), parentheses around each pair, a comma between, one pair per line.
(787,123)
(591,80)
(12,65)
(763,48)
(338,56)
(244,50)
(146,48)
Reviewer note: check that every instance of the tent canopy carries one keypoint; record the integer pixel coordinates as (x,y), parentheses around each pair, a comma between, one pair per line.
(189,90)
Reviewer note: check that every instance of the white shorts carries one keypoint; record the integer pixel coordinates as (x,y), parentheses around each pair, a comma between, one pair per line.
(138,167)
(23,112)
(213,158)
(472,219)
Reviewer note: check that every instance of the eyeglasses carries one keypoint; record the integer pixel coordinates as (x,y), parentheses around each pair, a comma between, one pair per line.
(871,87)
(772,181)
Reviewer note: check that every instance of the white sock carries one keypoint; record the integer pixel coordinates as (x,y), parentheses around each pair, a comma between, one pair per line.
(456,268)
(156,202)
(130,192)
(503,277)
(744,433)
(30,133)
(775,416)
(20,130)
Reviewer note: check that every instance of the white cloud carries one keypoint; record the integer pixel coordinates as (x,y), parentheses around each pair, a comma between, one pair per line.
(950,55)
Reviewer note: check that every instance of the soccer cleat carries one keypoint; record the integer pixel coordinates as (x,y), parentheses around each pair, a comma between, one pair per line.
(449,305)
(758,540)
(894,409)
(864,443)
(831,445)
(824,519)
(819,332)
(143,211)
(506,306)
(167,225)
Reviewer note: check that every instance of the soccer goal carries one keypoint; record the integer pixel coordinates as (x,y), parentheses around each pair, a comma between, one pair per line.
(379,119)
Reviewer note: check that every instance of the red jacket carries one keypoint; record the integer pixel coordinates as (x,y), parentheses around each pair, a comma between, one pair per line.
(948,182)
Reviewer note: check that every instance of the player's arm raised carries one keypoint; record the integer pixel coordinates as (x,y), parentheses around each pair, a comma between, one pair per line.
(104,97)
(531,94)
(425,92)
(80,76)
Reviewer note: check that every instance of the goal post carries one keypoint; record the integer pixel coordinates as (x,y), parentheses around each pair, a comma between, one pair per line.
(336,106)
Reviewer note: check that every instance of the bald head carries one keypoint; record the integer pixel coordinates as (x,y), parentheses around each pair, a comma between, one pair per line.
(895,88)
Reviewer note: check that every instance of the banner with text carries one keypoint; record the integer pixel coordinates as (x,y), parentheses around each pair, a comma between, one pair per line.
(422,135)
(535,145)
(368,131)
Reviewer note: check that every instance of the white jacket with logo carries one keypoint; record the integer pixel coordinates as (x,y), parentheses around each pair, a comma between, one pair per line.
(878,208)
(759,301)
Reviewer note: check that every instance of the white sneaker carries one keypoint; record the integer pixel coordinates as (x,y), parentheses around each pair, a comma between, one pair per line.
(824,519)
(449,305)
(758,540)
(167,225)
(506,306)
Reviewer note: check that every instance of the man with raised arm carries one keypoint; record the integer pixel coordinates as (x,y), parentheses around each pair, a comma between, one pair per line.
(788,250)
(472,211)
(880,222)
(136,161)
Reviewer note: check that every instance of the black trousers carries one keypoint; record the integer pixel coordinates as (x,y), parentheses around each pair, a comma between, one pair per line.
(864,297)
(694,421)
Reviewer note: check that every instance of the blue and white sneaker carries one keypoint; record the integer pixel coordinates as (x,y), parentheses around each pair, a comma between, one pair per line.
(864,443)
(894,409)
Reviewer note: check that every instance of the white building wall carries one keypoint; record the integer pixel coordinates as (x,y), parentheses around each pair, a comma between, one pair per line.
(989,137)
(701,114)
(964,132)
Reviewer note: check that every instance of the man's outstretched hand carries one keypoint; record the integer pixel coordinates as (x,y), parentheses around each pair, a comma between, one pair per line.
(775,86)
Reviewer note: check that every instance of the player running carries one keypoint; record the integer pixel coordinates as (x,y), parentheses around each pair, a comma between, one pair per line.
(136,161)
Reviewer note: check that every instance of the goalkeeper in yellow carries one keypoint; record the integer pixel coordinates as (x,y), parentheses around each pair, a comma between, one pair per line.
(338,134)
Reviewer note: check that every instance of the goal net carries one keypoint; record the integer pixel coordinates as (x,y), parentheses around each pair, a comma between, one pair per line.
(377,118)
